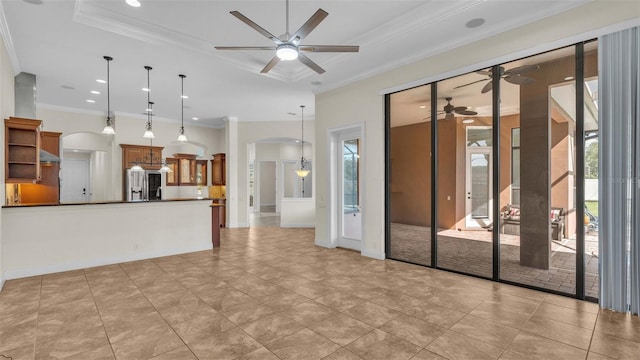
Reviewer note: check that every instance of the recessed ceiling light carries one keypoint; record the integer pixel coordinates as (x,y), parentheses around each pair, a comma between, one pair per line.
(195,118)
(423,106)
(467,121)
(569,78)
(95,92)
(133,3)
(90,101)
(148,110)
(474,23)
(75,150)
(184,96)
(146,89)
(67,87)
(101,81)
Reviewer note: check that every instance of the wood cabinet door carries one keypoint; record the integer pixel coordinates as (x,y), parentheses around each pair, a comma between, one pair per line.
(201,172)
(174,174)
(218,169)
(187,172)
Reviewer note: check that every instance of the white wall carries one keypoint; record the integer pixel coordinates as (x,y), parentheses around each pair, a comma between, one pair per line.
(47,239)
(239,136)
(362,102)
(7,105)
(267,182)
(297,213)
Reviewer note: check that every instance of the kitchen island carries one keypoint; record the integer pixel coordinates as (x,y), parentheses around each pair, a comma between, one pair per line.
(52,238)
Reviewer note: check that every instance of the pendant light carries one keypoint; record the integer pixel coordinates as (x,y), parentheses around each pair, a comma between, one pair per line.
(302,172)
(182,136)
(149,131)
(108,129)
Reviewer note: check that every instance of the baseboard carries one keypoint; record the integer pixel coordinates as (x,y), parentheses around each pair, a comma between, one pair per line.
(22,273)
(373,255)
(324,244)
(297,225)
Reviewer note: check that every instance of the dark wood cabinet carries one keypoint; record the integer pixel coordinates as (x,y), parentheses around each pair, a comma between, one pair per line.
(149,157)
(219,169)
(22,150)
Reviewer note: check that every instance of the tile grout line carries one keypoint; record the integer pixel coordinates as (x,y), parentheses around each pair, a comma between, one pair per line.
(104,329)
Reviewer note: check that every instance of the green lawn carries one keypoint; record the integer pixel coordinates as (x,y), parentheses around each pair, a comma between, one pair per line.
(592,206)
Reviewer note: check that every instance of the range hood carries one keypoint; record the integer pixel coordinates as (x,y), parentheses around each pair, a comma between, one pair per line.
(48,158)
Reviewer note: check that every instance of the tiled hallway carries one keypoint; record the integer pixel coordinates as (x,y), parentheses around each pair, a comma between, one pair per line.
(269,293)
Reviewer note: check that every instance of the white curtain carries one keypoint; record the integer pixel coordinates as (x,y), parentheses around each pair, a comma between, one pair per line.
(619,205)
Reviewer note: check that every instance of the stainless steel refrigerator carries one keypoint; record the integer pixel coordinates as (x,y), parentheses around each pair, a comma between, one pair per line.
(143,185)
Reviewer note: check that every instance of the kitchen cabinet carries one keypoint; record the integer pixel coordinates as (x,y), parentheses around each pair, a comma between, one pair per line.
(172,176)
(219,169)
(201,172)
(185,170)
(22,150)
(47,190)
(149,157)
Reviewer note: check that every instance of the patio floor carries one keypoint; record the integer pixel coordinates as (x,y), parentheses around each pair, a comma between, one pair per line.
(472,252)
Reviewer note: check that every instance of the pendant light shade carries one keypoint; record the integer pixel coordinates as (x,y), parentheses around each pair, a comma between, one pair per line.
(137,167)
(148,134)
(302,172)
(182,136)
(165,168)
(108,129)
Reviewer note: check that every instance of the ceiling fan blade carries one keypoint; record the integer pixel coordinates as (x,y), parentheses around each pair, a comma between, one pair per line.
(471,83)
(270,65)
(245,48)
(519,80)
(308,27)
(305,60)
(487,87)
(459,108)
(466,112)
(522,69)
(256,27)
(484,72)
(329,48)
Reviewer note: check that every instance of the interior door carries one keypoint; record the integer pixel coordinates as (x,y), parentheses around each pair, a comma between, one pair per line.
(479,200)
(349,185)
(75,181)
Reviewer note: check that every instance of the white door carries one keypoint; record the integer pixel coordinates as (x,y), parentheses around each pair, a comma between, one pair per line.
(349,186)
(479,200)
(267,187)
(75,181)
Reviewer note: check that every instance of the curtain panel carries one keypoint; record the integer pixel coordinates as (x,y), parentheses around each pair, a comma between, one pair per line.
(619,170)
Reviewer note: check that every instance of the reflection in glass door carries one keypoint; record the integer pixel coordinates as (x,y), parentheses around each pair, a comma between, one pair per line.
(349,180)
(478,190)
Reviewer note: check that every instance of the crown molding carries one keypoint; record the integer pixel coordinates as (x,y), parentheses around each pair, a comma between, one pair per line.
(8,41)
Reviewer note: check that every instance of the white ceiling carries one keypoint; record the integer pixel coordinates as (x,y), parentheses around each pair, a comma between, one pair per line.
(63,42)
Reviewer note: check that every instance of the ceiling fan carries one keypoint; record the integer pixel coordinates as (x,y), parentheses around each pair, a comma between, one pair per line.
(449,110)
(288,45)
(513,76)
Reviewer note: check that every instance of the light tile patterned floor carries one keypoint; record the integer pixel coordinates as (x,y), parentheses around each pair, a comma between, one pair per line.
(269,293)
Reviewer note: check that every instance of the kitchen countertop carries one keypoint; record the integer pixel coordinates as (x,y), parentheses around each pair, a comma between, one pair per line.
(110,202)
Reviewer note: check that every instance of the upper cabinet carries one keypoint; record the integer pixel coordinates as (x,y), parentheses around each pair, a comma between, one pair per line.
(186,171)
(149,157)
(22,149)
(219,169)
(201,172)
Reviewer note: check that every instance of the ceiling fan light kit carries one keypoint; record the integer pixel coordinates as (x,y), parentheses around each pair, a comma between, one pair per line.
(287,52)
(288,47)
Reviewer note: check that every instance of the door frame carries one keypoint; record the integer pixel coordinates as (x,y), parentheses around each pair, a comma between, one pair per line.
(469,223)
(333,208)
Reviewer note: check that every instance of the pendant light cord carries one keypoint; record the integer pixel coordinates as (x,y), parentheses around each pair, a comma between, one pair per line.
(149,98)
(302,140)
(182,102)
(287,20)
(108,92)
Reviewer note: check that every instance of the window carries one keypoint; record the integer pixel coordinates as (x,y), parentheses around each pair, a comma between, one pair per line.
(515,166)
